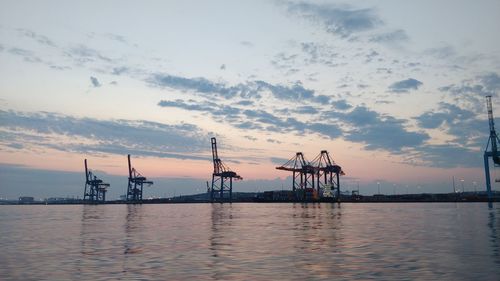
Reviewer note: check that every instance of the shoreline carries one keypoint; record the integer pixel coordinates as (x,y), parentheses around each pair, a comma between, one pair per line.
(366,199)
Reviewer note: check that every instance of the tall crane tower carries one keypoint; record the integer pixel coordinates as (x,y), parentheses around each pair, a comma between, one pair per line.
(136,183)
(95,189)
(221,175)
(492,145)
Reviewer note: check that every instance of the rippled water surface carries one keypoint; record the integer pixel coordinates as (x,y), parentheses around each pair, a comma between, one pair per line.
(427,241)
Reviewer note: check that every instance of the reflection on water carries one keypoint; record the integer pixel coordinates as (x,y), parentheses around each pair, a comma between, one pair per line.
(133,229)
(251,242)
(493,224)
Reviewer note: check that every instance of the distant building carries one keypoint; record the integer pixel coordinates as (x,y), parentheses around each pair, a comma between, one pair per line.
(26,199)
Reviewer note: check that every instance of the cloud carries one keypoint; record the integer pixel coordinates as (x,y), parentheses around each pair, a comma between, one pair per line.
(247,43)
(273,141)
(491,81)
(431,120)
(116,37)
(448,113)
(95,82)
(473,91)
(248,90)
(250,138)
(284,61)
(337,20)
(93,136)
(278,161)
(390,37)
(30,56)
(374,130)
(442,52)
(245,103)
(341,104)
(198,85)
(44,40)
(459,123)
(377,131)
(306,109)
(82,54)
(467,135)
(404,86)
(370,56)
(27,55)
(120,70)
(319,54)
(256,119)
(450,156)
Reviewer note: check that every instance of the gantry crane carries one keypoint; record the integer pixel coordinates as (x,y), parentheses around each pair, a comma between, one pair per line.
(136,183)
(302,173)
(327,174)
(220,176)
(492,145)
(95,189)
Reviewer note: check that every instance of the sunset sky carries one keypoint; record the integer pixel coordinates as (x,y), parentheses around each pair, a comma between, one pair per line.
(394,90)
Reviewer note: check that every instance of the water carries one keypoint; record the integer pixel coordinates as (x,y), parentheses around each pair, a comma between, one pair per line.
(427,241)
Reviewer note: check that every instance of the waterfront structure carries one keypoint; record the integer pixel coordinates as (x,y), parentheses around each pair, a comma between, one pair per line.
(136,183)
(491,150)
(222,177)
(95,188)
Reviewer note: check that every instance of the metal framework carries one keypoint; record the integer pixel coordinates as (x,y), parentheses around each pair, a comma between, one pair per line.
(303,173)
(136,183)
(95,189)
(222,177)
(327,174)
(492,143)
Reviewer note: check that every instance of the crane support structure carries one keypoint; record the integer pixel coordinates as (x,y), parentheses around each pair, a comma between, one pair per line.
(491,147)
(136,183)
(328,175)
(303,174)
(222,177)
(95,189)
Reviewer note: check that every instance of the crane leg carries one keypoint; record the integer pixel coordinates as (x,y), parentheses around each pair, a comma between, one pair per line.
(487,175)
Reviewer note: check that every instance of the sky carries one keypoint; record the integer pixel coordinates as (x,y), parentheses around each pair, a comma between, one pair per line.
(394,90)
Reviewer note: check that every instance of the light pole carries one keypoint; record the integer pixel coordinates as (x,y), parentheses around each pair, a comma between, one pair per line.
(462,181)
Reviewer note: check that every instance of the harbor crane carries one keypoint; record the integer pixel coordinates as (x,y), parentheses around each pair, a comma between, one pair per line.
(95,189)
(327,174)
(220,176)
(136,183)
(491,147)
(302,173)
